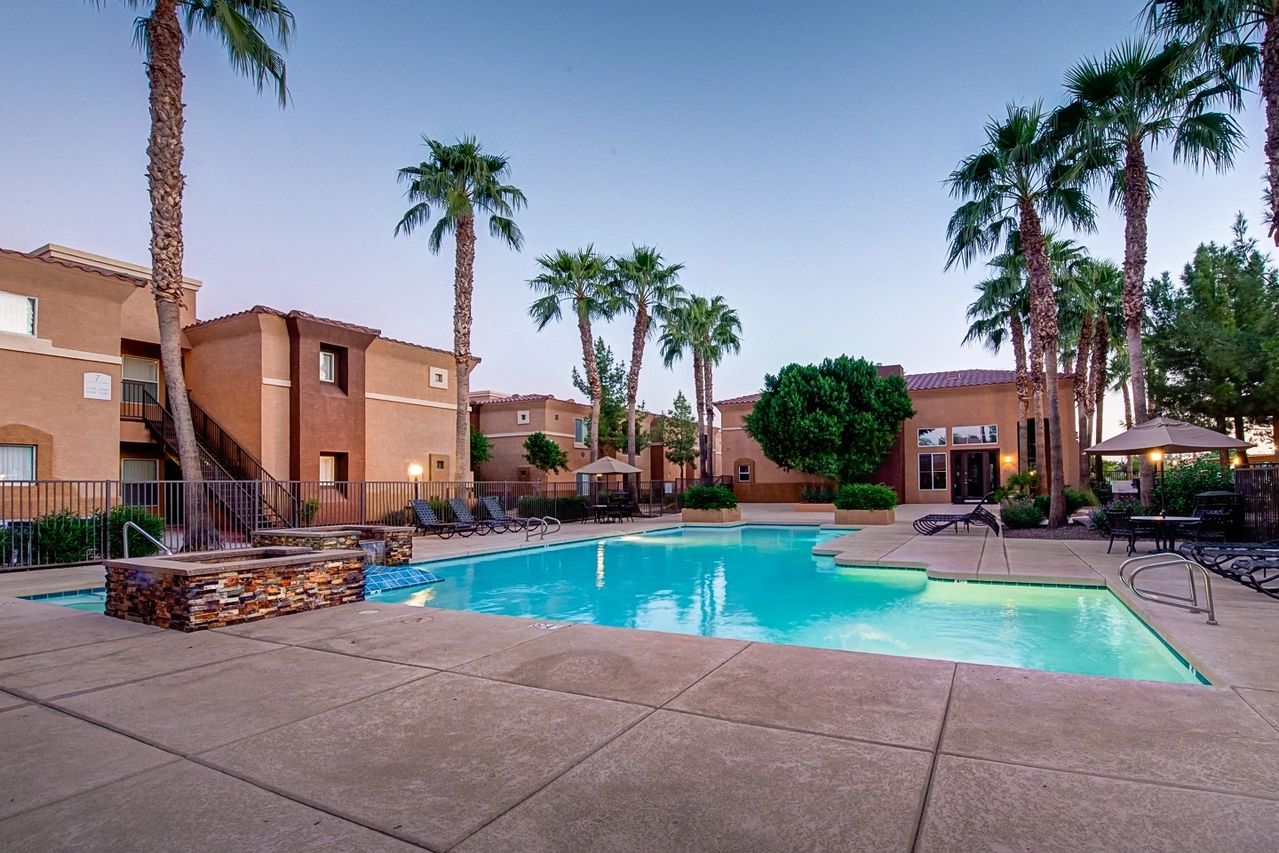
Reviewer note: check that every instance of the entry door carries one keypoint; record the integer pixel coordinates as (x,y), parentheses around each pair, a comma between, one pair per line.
(974,472)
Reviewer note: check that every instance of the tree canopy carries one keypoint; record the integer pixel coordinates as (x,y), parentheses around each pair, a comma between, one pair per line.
(544,454)
(613,374)
(679,432)
(837,419)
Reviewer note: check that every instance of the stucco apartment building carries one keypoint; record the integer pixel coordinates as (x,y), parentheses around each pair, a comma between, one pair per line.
(509,419)
(962,442)
(297,396)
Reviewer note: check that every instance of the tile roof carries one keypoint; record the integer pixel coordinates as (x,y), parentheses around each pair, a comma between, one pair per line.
(931,382)
(515,398)
(266,309)
(137,281)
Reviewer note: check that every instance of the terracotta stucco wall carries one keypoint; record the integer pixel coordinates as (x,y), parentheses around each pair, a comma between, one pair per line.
(769,483)
(137,318)
(223,375)
(407,419)
(500,422)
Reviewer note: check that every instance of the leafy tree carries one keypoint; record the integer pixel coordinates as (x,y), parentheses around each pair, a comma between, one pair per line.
(837,419)
(1131,99)
(544,454)
(679,433)
(613,422)
(580,281)
(1213,336)
(481,448)
(646,287)
(240,26)
(461,180)
(1029,171)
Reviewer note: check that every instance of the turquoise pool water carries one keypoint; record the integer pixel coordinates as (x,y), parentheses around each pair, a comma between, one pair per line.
(763,583)
(92,600)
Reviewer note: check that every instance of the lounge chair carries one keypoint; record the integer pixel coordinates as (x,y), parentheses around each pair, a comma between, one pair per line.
(1253,564)
(498,515)
(428,522)
(939,521)
(462,513)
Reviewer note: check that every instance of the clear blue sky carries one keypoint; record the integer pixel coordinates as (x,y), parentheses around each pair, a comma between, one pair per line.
(791,155)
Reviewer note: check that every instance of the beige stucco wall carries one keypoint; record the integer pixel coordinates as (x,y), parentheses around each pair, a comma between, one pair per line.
(500,422)
(224,376)
(407,420)
(137,318)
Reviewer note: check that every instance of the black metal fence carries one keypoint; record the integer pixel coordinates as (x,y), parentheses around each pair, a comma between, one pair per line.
(64,522)
(1258,488)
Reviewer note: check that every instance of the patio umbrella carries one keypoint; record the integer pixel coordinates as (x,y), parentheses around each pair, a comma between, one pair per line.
(1168,435)
(608,465)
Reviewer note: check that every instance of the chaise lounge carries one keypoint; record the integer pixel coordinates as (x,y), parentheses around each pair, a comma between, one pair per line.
(939,521)
(498,516)
(463,514)
(427,521)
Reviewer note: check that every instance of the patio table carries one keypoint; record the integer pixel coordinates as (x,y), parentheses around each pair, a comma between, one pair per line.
(1166,528)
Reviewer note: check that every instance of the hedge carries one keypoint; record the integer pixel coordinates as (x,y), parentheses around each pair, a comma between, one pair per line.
(865,496)
(709,497)
(1021,514)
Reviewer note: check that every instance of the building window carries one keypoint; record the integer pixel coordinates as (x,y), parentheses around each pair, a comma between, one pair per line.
(439,378)
(141,377)
(988,434)
(932,472)
(328,366)
(17,462)
(579,431)
(333,469)
(138,482)
(932,437)
(18,314)
(744,472)
(522,417)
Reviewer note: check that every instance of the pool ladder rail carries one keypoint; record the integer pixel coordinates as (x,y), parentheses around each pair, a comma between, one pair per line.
(130,525)
(538,524)
(1134,566)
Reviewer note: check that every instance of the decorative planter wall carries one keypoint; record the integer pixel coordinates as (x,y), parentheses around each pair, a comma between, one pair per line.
(865,516)
(813,507)
(712,516)
(213,589)
(398,541)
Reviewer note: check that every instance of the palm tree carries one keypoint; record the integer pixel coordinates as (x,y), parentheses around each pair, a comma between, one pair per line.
(646,287)
(1133,98)
(679,337)
(581,281)
(998,316)
(721,330)
(1239,42)
(239,25)
(461,180)
(1029,171)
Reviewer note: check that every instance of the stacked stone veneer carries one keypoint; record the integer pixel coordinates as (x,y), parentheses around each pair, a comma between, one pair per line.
(398,541)
(191,592)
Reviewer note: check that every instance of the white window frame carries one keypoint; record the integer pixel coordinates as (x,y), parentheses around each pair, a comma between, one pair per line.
(932,472)
(153,382)
(523,416)
(437,377)
(986,434)
(329,359)
(919,436)
(35,313)
(744,467)
(34,462)
(331,479)
(580,433)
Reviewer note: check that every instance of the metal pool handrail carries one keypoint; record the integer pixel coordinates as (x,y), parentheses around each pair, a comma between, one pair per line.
(541,523)
(1159,561)
(124,534)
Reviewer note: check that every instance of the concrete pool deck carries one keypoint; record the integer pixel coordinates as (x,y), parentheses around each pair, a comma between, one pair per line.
(375,726)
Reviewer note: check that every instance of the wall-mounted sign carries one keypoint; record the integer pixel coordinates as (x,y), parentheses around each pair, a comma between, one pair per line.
(97,386)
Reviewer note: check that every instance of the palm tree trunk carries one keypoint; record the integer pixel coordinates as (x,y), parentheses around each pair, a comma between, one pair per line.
(638,336)
(592,377)
(1043,313)
(709,385)
(1098,383)
(699,391)
(1136,207)
(166,183)
(1127,405)
(1083,356)
(1269,83)
(1037,404)
(1022,385)
(463,290)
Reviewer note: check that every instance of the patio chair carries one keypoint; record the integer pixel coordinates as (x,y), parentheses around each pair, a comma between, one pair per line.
(498,515)
(1213,521)
(939,521)
(1123,527)
(621,507)
(462,513)
(427,521)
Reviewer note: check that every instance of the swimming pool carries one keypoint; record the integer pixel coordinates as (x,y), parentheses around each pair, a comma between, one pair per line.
(763,583)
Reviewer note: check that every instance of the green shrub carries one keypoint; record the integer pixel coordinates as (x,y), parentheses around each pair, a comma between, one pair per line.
(809,494)
(1176,489)
(709,497)
(64,537)
(398,518)
(567,508)
(1075,501)
(865,496)
(310,509)
(1021,514)
(139,546)
(6,546)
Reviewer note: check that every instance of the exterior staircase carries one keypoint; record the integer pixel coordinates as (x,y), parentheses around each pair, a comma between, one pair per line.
(236,481)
